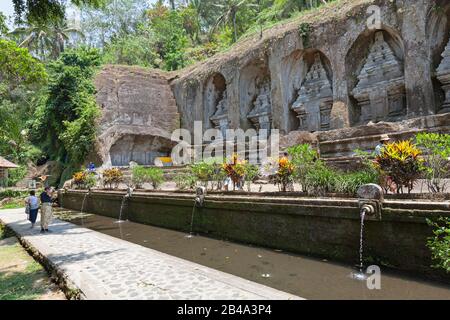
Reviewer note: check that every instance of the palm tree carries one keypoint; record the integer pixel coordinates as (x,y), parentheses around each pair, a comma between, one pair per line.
(46,40)
(230,9)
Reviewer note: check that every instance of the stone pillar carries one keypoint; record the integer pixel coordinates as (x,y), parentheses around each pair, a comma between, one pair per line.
(419,88)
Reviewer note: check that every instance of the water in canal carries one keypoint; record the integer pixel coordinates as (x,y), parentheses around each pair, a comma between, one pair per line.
(303,276)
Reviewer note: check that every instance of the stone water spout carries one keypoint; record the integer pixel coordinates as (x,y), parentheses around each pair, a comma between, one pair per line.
(200,196)
(371,201)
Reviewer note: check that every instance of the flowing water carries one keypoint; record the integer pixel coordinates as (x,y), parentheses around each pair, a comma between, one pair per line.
(82,207)
(303,276)
(125,197)
(191,233)
(361,275)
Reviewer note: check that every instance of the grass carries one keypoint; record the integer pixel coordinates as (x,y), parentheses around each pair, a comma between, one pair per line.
(5,232)
(21,277)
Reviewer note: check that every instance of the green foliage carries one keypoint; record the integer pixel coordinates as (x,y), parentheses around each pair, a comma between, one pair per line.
(303,158)
(16,175)
(155,177)
(251,173)
(186,181)
(320,179)
(349,183)
(18,66)
(64,123)
(141,175)
(203,171)
(439,244)
(3,27)
(436,166)
(46,10)
(171,38)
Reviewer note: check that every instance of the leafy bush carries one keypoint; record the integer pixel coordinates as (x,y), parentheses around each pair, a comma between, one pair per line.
(350,182)
(251,172)
(439,244)
(400,161)
(235,170)
(141,175)
(303,158)
(203,171)
(320,179)
(138,176)
(155,177)
(436,166)
(185,181)
(112,178)
(84,180)
(16,175)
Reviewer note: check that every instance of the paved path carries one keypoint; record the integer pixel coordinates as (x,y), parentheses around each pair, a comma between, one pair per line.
(103,267)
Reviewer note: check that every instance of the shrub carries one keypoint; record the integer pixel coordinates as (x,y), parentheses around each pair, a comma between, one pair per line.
(320,179)
(436,166)
(112,178)
(400,161)
(138,177)
(186,181)
(251,173)
(16,175)
(303,158)
(439,244)
(350,182)
(235,170)
(155,176)
(84,180)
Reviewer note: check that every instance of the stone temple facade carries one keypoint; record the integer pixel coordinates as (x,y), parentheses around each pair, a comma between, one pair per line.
(338,86)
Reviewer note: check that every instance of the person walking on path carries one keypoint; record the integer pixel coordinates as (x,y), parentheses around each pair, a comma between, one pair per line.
(32,205)
(46,209)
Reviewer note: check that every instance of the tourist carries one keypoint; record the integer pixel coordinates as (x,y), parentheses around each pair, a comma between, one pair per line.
(46,209)
(384,140)
(91,167)
(32,207)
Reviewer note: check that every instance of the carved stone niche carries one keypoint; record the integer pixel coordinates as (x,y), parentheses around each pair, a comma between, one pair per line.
(261,114)
(315,99)
(220,117)
(443,75)
(380,91)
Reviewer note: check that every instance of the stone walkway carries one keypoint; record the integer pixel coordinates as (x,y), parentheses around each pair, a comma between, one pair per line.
(103,267)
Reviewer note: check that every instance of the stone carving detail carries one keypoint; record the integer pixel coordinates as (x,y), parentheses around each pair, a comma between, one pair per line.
(261,114)
(315,99)
(443,75)
(380,91)
(220,117)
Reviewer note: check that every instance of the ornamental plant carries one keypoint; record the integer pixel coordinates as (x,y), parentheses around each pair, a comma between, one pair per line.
(436,166)
(400,162)
(112,178)
(235,170)
(284,176)
(84,180)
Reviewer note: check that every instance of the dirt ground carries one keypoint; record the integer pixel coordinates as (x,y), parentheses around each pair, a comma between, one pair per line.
(21,277)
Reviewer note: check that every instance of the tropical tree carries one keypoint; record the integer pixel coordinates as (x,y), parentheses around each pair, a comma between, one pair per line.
(46,40)
(230,10)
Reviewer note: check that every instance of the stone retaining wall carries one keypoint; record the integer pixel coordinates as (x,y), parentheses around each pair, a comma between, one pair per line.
(327,228)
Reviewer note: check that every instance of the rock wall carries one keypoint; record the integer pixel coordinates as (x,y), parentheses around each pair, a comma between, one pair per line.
(328,71)
(139,114)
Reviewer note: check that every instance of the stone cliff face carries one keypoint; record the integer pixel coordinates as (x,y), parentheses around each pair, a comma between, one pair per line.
(329,77)
(330,70)
(139,114)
